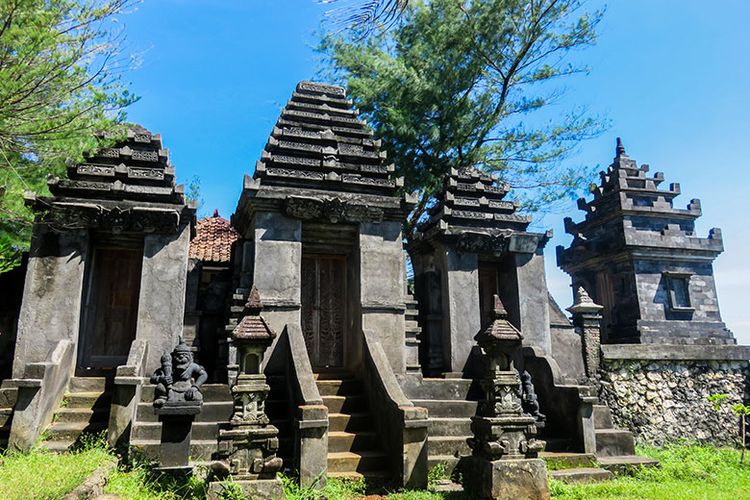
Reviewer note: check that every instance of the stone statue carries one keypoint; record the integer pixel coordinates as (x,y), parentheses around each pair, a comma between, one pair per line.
(530,400)
(179,379)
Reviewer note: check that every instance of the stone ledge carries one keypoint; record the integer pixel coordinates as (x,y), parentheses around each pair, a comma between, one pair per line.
(676,352)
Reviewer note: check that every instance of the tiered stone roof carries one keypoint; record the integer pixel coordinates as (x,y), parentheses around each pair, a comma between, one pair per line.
(322,162)
(320,140)
(136,169)
(129,187)
(252,327)
(213,240)
(629,209)
(501,329)
(472,211)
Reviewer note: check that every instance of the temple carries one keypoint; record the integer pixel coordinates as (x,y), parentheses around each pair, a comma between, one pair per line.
(317,356)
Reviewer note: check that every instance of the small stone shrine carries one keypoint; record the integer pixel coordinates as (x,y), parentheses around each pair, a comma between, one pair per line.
(504,462)
(475,240)
(639,257)
(248,446)
(177,400)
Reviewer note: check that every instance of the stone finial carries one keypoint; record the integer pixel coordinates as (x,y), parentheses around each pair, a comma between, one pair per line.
(620,149)
(216,212)
(501,330)
(584,304)
(253,327)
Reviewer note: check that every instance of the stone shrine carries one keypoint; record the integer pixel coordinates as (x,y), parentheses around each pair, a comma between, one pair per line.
(340,372)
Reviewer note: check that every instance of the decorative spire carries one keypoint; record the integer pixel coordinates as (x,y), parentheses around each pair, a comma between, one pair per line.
(253,327)
(216,212)
(620,150)
(584,304)
(501,330)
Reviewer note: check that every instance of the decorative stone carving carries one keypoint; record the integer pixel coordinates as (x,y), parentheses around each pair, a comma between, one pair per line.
(115,219)
(531,401)
(481,243)
(331,210)
(247,449)
(179,379)
(504,447)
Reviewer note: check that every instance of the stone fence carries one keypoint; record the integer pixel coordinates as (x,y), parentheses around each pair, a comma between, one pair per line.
(660,391)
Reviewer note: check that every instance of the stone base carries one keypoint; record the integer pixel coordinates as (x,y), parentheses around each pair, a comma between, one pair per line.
(259,489)
(507,479)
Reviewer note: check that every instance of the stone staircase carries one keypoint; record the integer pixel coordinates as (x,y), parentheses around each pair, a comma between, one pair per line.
(354,448)
(615,448)
(450,403)
(413,334)
(84,410)
(8,396)
(217,409)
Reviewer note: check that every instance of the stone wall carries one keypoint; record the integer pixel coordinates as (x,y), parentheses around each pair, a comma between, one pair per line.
(666,400)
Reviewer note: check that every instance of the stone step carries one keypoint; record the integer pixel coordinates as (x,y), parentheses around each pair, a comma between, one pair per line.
(345,404)
(349,422)
(211,393)
(449,427)
(447,407)
(87,400)
(448,445)
(213,411)
(363,461)
(57,446)
(82,415)
(348,441)
(8,397)
(372,477)
(626,463)
(200,451)
(151,431)
(439,388)
(449,461)
(411,325)
(614,442)
(346,387)
(71,431)
(567,460)
(87,384)
(582,475)
(602,417)
(333,375)
(5,417)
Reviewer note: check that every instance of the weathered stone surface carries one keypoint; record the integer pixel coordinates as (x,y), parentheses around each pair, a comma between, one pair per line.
(666,400)
(508,479)
(266,489)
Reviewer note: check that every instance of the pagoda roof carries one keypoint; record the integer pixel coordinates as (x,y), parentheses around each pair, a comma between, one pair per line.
(319,142)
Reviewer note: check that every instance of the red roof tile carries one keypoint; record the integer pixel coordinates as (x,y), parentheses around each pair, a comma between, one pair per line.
(213,239)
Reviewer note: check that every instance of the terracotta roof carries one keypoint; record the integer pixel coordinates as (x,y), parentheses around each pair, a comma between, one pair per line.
(213,239)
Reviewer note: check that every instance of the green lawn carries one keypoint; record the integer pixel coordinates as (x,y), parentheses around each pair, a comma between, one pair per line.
(686,472)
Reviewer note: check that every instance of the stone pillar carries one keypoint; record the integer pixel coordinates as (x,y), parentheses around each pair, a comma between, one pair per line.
(277,268)
(51,307)
(161,305)
(533,301)
(587,318)
(504,463)
(382,276)
(461,316)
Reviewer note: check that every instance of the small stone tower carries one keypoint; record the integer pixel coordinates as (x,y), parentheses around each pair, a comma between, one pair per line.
(638,255)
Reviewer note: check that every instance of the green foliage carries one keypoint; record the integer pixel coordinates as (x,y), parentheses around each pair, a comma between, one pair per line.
(59,87)
(339,489)
(468,84)
(438,473)
(717,400)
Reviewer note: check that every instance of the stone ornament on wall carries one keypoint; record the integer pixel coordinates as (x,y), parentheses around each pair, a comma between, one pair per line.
(116,219)
(331,210)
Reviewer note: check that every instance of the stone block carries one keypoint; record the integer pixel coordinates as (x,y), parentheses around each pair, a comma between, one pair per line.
(260,489)
(507,479)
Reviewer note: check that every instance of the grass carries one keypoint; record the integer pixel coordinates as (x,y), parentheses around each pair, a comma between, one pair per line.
(686,472)
(42,474)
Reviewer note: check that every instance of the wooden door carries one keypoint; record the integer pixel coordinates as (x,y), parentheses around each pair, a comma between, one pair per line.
(487,290)
(324,309)
(111,308)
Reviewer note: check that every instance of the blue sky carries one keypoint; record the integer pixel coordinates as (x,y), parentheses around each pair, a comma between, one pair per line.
(671,76)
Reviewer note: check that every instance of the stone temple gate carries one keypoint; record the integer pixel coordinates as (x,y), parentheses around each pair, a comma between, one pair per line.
(355,373)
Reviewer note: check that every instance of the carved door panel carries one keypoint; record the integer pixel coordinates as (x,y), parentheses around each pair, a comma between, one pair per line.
(487,289)
(110,311)
(324,309)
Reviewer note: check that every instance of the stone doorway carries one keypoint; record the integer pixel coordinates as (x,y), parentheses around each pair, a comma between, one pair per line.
(324,309)
(110,309)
